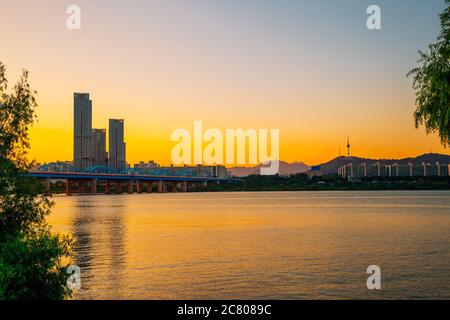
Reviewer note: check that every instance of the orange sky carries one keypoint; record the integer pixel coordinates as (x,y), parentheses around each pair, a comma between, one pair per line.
(161,65)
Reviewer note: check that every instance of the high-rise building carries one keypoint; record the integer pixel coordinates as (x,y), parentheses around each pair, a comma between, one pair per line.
(117,155)
(82,149)
(99,154)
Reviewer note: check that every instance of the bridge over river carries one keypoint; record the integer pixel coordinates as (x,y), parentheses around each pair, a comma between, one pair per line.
(107,183)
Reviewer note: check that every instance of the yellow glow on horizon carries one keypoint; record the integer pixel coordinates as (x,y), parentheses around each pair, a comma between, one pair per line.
(52,144)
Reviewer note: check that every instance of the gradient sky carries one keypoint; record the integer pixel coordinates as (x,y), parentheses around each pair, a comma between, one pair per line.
(310,68)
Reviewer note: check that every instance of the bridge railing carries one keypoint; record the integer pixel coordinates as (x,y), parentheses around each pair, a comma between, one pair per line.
(189,172)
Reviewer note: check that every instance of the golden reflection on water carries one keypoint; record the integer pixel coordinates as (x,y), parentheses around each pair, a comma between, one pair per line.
(285,245)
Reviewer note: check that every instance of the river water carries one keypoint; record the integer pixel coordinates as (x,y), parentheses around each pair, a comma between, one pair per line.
(266,245)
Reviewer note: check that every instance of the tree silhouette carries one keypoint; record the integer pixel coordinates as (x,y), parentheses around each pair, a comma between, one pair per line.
(31,256)
(432,83)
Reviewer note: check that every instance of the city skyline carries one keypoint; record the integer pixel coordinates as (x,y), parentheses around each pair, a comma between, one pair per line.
(89,144)
(313,70)
(115,156)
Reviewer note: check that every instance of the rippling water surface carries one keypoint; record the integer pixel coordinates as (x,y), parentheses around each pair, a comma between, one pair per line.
(274,245)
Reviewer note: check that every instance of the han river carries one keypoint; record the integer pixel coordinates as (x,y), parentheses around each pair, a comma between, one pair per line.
(262,245)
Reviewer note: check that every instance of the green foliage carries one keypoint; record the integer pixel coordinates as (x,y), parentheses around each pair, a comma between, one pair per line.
(30,267)
(432,84)
(301,182)
(30,255)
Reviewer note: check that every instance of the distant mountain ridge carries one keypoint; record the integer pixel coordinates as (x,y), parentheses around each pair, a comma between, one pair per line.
(331,167)
(285,169)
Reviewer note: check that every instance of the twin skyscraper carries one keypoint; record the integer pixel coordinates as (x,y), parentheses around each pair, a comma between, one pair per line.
(90,144)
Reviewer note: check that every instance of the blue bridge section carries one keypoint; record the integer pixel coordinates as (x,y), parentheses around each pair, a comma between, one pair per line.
(63,167)
(116,177)
(107,180)
(100,181)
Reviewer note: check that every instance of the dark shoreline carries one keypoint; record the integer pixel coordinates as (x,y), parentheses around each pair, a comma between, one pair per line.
(301,182)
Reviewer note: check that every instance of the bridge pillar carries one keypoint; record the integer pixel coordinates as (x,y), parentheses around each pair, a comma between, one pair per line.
(185,186)
(107,187)
(47,185)
(81,186)
(130,186)
(138,186)
(175,189)
(68,187)
(94,186)
(149,187)
(161,186)
(119,187)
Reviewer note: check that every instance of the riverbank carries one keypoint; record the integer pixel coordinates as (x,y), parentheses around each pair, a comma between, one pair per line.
(303,183)
(298,182)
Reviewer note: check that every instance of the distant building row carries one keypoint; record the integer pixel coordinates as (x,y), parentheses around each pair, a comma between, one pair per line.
(366,170)
(151,168)
(90,144)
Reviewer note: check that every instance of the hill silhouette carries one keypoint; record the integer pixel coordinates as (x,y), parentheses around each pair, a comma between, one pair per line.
(331,167)
(285,169)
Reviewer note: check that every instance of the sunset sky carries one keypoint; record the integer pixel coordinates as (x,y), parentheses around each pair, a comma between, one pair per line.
(309,68)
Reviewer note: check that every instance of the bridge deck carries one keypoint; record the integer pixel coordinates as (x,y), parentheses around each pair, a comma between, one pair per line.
(107,176)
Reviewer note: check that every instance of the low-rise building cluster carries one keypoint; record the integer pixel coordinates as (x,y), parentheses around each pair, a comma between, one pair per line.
(378,169)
